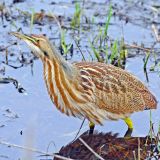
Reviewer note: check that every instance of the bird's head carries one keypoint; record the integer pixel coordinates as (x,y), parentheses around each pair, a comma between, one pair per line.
(43,49)
(39,44)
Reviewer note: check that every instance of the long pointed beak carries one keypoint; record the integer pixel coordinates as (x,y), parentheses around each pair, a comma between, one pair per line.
(32,42)
(24,37)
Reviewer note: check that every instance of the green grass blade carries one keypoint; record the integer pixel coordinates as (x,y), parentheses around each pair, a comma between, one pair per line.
(108,21)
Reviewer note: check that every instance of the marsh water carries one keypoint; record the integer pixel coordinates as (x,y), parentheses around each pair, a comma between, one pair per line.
(30,118)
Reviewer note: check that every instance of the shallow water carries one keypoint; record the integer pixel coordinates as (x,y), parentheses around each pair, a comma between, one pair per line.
(31,119)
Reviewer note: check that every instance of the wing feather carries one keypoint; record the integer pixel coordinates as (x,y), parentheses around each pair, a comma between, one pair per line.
(115,89)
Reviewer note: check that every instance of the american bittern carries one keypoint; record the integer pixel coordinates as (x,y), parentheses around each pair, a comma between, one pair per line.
(93,90)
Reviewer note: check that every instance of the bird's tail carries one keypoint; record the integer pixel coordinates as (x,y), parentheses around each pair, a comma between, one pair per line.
(150,100)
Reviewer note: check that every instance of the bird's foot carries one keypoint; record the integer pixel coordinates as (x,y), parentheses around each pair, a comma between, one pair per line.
(91,128)
(129,123)
(128,133)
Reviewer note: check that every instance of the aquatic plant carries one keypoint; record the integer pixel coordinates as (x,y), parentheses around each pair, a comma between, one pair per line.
(75,23)
(64,46)
(106,50)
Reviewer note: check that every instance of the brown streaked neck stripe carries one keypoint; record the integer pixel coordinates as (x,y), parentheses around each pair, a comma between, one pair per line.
(60,88)
(69,89)
(49,83)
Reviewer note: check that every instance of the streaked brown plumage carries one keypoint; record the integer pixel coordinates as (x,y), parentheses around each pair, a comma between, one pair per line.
(93,90)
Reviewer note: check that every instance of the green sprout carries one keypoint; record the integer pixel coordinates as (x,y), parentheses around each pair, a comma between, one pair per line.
(66,48)
(75,23)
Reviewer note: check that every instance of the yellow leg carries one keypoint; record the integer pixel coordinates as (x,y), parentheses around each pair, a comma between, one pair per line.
(129,123)
(91,127)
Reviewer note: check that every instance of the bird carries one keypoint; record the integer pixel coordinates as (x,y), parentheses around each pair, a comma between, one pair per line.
(92,90)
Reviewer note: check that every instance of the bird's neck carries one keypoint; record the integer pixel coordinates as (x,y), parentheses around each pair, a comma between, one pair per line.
(59,63)
(62,81)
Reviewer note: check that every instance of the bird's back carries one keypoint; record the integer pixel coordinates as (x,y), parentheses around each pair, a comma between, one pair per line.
(115,90)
